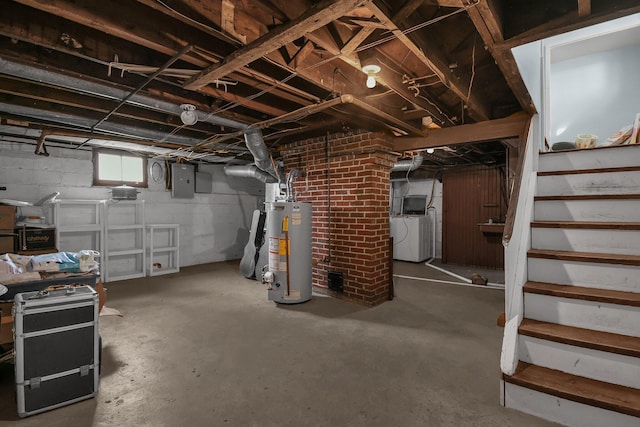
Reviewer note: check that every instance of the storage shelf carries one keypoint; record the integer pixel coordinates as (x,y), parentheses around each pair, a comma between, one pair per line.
(169,253)
(125,227)
(79,225)
(79,228)
(124,220)
(165,249)
(125,252)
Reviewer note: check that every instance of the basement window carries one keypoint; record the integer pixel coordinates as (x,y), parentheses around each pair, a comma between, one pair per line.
(112,168)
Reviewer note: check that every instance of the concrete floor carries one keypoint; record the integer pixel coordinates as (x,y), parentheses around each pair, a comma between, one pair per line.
(205,348)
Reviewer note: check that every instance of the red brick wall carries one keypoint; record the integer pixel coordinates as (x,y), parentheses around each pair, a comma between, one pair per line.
(359,168)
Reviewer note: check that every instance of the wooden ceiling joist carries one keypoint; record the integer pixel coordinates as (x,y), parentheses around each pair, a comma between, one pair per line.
(319,15)
(490,130)
(584,7)
(485,21)
(435,63)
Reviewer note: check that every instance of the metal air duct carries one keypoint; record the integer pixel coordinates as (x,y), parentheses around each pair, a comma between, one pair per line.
(249,171)
(408,165)
(255,143)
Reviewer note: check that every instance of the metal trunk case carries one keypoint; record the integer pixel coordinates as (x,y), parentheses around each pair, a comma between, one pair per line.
(57,350)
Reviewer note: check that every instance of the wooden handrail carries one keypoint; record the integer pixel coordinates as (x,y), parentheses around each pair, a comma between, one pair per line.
(515,192)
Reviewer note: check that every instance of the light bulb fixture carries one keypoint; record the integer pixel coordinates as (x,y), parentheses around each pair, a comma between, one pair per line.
(371,81)
(431,150)
(188,116)
(371,70)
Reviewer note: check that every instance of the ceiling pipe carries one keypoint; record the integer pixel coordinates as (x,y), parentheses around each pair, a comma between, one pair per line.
(145,136)
(249,171)
(105,91)
(408,165)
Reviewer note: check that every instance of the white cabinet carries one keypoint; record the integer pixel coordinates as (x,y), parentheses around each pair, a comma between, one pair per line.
(125,240)
(164,248)
(79,225)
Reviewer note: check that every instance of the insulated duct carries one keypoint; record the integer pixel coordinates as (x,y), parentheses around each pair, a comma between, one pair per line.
(408,165)
(249,171)
(255,143)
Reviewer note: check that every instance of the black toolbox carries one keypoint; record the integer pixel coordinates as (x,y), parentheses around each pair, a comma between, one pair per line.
(57,348)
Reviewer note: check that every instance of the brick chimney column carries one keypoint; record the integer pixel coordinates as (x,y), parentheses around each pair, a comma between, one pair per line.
(347,181)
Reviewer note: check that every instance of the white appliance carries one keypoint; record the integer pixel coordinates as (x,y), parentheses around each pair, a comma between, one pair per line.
(410,237)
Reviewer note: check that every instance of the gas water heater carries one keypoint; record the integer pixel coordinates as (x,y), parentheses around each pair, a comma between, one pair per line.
(288,274)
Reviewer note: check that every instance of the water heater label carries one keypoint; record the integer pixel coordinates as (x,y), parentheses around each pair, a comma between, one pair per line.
(274,254)
(296,218)
(274,261)
(274,244)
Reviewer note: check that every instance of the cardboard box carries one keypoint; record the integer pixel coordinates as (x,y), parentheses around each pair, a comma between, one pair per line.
(36,239)
(7,217)
(7,243)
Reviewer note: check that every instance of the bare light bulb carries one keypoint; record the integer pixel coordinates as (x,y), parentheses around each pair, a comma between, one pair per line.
(431,150)
(371,81)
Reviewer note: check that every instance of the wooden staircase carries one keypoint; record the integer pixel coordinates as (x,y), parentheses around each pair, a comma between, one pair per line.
(579,341)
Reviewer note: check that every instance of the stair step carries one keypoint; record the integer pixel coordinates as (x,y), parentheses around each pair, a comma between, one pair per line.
(608,238)
(593,208)
(634,168)
(596,257)
(589,274)
(592,225)
(584,293)
(602,197)
(601,394)
(599,157)
(610,181)
(581,337)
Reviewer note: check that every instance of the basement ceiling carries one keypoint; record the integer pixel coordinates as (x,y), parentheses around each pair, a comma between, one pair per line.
(83,73)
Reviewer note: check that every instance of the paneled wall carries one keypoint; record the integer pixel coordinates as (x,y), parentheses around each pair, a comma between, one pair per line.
(472,196)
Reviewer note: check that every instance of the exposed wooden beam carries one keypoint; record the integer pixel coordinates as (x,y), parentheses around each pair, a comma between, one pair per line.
(407,10)
(485,21)
(491,130)
(362,22)
(228,22)
(390,79)
(356,40)
(302,54)
(572,21)
(112,22)
(435,63)
(490,19)
(584,8)
(315,17)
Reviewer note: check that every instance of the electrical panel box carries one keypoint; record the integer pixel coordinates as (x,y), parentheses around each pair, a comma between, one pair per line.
(182,181)
(204,182)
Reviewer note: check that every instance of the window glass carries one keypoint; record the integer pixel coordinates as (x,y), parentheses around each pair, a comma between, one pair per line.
(112,168)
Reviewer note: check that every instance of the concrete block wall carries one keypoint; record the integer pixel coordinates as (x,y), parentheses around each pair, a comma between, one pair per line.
(213,227)
(350,235)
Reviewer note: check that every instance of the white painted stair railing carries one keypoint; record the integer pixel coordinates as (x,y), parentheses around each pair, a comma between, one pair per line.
(572,352)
